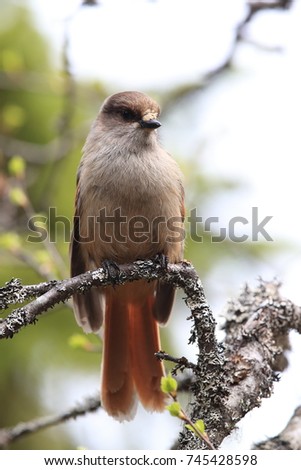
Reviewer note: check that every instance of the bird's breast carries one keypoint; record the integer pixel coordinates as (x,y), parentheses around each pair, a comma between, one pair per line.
(128,204)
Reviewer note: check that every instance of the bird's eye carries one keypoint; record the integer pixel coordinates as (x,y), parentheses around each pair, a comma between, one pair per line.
(128,115)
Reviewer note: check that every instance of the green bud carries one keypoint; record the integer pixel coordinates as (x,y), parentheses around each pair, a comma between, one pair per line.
(175,409)
(17,166)
(169,385)
(18,197)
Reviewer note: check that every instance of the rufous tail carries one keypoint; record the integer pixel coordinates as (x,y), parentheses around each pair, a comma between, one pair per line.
(131,338)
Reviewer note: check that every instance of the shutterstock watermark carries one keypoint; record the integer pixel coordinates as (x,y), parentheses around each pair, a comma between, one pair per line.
(232,230)
(119,228)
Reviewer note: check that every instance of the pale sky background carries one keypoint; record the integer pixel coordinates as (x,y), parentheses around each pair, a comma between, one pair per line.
(251,126)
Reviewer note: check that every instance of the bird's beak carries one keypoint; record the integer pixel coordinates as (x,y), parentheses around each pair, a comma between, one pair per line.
(150,121)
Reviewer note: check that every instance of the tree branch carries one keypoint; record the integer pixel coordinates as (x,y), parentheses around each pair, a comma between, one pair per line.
(252,8)
(229,380)
(181,275)
(288,439)
(181,362)
(89,405)
(9,435)
(255,321)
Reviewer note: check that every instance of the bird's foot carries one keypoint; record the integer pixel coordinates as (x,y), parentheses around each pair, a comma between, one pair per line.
(162,260)
(112,270)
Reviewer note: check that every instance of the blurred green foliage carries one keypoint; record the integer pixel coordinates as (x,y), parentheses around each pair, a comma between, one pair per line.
(44,118)
(37,170)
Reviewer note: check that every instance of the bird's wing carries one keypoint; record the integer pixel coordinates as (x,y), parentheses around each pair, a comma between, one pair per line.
(89,306)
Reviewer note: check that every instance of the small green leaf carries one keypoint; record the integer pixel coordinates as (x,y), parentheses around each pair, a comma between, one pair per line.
(200,425)
(78,341)
(18,197)
(169,384)
(197,428)
(13,116)
(188,426)
(10,241)
(175,409)
(16,166)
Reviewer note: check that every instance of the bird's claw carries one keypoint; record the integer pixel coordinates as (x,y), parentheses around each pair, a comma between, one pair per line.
(162,260)
(112,270)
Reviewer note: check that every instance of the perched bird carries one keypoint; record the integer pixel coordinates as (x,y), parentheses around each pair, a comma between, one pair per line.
(129,206)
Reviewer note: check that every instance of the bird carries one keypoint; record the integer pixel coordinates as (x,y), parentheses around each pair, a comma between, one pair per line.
(129,206)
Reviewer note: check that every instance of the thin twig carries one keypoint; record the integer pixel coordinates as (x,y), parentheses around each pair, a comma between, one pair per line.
(9,435)
(252,8)
(182,362)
